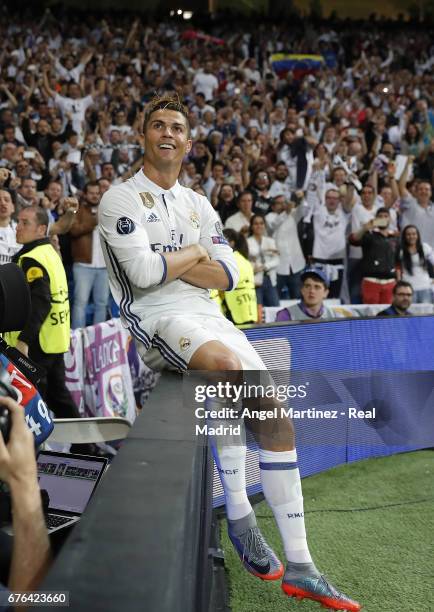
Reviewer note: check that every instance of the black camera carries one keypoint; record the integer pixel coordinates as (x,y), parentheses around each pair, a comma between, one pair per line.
(14,310)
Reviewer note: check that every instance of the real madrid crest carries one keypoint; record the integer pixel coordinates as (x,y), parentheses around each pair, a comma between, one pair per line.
(147,199)
(184,343)
(195,219)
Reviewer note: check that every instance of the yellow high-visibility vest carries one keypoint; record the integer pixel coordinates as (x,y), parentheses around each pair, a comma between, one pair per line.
(54,335)
(241,301)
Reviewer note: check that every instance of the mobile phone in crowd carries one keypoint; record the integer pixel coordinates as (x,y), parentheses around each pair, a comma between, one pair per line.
(381,222)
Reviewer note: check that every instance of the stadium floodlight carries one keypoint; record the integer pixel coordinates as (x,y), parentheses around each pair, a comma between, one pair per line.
(172,13)
(187,14)
(179,11)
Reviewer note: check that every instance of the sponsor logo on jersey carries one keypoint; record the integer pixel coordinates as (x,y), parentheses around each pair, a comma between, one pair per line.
(147,199)
(194,219)
(184,343)
(158,247)
(219,240)
(125,225)
(153,218)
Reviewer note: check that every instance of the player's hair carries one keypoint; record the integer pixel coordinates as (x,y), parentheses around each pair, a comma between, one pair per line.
(165,102)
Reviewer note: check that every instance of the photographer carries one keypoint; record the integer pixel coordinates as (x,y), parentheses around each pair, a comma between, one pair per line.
(31,548)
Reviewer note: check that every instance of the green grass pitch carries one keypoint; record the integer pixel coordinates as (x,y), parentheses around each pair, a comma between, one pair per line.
(382,556)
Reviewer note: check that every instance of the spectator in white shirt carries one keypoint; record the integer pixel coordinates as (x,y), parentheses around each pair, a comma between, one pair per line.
(73,104)
(282,184)
(201,107)
(282,225)
(68,71)
(249,67)
(329,139)
(330,221)
(206,83)
(265,258)
(8,242)
(240,221)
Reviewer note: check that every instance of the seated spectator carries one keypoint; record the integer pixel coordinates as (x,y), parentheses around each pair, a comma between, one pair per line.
(240,305)
(402,299)
(265,258)
(31,554)
(314,290)
(240,221)
(378,259)
(90,273)
(282,224)
(414,257)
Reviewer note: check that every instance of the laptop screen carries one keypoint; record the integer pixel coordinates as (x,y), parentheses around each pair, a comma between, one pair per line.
(69,480)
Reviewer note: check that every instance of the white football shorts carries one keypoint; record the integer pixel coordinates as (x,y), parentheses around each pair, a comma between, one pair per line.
(178,338)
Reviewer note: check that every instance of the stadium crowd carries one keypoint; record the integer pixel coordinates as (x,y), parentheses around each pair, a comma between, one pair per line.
(320,166)
(325,160)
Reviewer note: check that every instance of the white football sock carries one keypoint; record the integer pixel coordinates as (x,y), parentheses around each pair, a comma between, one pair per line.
(281,485)
(230,457)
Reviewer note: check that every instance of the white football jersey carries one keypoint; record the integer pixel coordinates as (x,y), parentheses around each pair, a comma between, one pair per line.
(139,222)
(8,243)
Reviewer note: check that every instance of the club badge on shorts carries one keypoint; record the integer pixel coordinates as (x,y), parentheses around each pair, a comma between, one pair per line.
(184,343)
(195,219)
(147,199)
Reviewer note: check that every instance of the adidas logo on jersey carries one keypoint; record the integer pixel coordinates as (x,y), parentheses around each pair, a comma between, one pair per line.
(153,218)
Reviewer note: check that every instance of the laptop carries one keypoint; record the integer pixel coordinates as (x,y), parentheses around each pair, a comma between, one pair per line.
(70,481)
